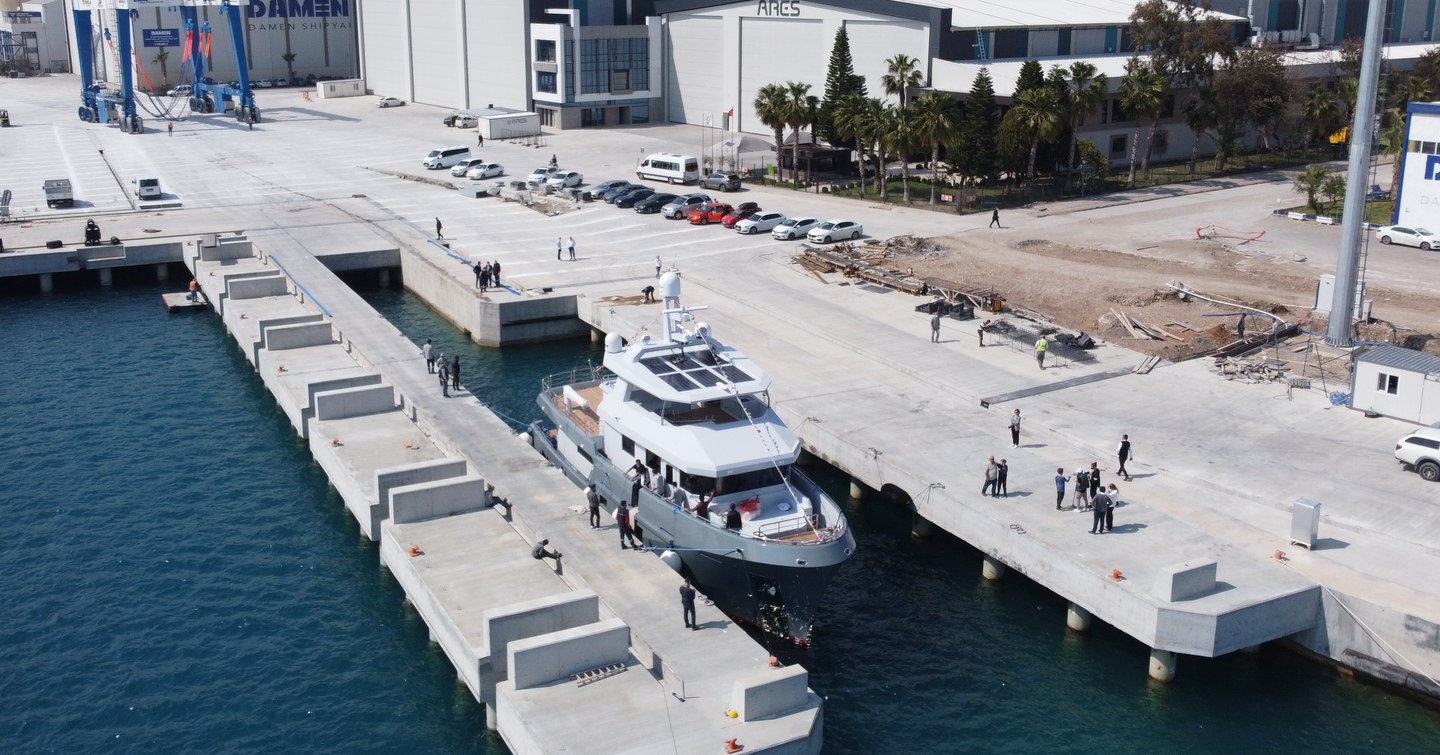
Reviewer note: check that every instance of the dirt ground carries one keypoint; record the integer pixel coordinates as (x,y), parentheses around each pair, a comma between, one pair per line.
(1077,286)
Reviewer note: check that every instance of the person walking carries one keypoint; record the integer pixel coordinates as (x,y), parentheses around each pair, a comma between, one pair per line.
(438,234)
(1094,479)
(1114,497)
(935,326)
(1060,489)
(1082,489)
(429,351)
(995,218)
(572,248)
(622,520)
(657,267)
(559,245)
(443,368)
(992,470)
(593,499)
(481,137)
(250,121)
(1041,346)
(1101,503)
(1125,453)
(1015,429)
(455,373)
(1002,473)
(687,605)
(541,552)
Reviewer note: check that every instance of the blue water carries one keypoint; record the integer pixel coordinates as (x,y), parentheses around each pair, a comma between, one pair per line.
(177,576)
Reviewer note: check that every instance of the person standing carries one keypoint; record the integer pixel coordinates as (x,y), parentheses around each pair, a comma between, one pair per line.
(479,281)
(1240,329)
(194,290)
(1114,498)
(657,267)
(992,470)
(572,248)
(1124,452)
(980,331)
(250,121)
(622,519)
(995,218)
(443,368)
(170,127)
(429,351)
(1094,479)
(438,234)
(593,499)
(1041,346)
(1101,503)
(733,520)
(1015,429)
(455,372)
(687,605)
(495,272)
(541,552)
(935,326)
(1002,473)
(1060,489)
(1082,489)
(559,245)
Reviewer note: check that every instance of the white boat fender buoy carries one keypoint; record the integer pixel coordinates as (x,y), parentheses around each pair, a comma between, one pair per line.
(671,559)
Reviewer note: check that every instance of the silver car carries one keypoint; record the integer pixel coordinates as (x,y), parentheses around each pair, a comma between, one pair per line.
(794,228)
(565,179)
(683,205)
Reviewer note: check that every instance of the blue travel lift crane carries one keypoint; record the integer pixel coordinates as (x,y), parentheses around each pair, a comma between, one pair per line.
(98,105)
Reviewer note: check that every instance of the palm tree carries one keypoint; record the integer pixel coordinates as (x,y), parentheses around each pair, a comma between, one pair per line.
(770,109)
(1392,143)
(848,119)
(1413,89)
(289,59)
(1038,114)
(903,138)
(935,121)
(1320,112)
(1142,92)
(874,120)
(1087,88)
(161,58)
(797,114)
(901,76)
(1311,183)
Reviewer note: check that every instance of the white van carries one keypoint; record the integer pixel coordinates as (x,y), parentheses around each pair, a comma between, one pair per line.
(147,188)
(466,121)
(445,157)
(682,169)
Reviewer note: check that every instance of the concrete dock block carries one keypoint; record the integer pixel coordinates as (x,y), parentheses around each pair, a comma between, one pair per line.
(272,322)
(390,478)
(1191,579)
(532,618)
(554,657)
(297,336)
(433,500)
(770,692)
(354,402)
(256,287)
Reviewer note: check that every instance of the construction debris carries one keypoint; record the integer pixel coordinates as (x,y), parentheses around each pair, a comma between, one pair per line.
(1251,370)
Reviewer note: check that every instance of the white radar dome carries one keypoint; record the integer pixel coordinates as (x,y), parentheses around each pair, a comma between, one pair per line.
(614,344)
(670,284)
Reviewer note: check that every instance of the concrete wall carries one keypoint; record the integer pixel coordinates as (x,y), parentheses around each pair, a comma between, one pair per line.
(770,693)
(507,624)
(1404,639)
(297,335)
(389,478)
(530,320)
(256,287)
(254,351)
(433,500)
(40,260)
(354,402)
(462,654)
(537,661)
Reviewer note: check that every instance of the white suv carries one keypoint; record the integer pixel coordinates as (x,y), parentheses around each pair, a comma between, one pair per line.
(1420,450)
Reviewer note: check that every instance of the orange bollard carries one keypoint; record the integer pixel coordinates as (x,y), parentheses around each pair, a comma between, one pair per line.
(733,746)
(1279,555)
(1116,575)
(414,551)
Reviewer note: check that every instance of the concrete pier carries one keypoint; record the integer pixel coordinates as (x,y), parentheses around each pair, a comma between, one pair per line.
(858,490)
(991,568)
(1077,618)
(1162,665)
(47,283)
(162,271)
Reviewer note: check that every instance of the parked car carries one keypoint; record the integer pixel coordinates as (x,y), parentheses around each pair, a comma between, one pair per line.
(598,190)
(760,222)
(262,84)
(738,214)
(630,198)
(1420,450)
(565,179)
(484,170)
(463,167)
(615,193)
(681,206)
(714,212)
(540,175)
(390,102)
(653,203)
(794,228)
(721,181)
(832,230)
(184,90)
(1407,235)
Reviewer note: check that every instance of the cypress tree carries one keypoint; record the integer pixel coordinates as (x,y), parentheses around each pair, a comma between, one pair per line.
(1031,77)
(974,147)
(841,81)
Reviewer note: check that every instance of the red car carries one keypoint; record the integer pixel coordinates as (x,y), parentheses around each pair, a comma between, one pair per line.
(739,214)
(710,213)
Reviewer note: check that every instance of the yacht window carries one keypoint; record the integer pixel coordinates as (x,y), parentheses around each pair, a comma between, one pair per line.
(760,478)
(697,484)
(627,445)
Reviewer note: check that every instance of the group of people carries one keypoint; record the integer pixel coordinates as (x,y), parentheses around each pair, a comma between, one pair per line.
(448,370)
(561,244)
(996,475)
(487,274)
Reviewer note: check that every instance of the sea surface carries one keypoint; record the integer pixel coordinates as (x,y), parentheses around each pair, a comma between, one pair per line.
(177,576)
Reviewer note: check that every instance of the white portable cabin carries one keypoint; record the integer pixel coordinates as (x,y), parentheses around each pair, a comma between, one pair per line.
(509,125)
(1397,382)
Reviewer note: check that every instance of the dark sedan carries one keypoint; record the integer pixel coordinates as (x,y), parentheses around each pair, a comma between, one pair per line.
(619,191)
(598,190)
(653,203)
(630,198)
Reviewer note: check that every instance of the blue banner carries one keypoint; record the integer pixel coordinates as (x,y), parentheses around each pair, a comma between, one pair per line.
(161,37)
